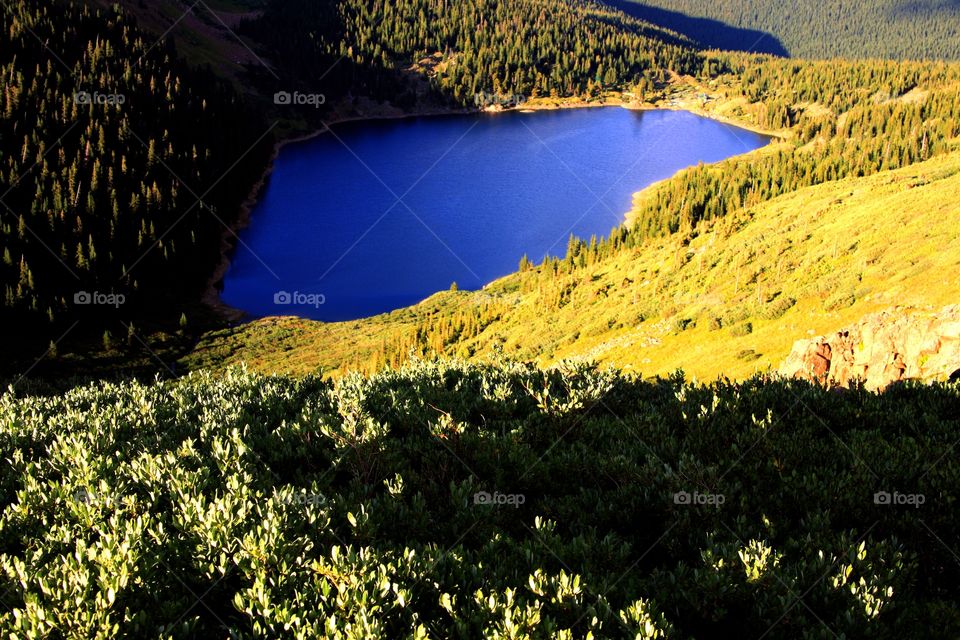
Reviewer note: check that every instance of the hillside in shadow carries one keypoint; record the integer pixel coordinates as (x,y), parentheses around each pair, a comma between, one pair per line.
(712,34)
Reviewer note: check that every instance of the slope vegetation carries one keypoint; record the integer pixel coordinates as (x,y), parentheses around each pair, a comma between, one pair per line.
(461,501)
(526,47)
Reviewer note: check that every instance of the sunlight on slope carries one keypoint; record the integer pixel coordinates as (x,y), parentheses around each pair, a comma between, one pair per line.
(731,302)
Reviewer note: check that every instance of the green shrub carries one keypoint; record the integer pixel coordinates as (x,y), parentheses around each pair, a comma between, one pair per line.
(839,300)
(741,330)
(457,501)
(778,307)
(735,315)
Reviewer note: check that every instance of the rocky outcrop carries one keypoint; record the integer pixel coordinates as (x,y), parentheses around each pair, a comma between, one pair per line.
(886,347)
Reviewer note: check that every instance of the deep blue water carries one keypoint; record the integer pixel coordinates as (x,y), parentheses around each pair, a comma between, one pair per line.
(379,215)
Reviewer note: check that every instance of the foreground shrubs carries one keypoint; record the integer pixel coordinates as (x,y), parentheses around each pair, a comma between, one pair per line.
(450,500)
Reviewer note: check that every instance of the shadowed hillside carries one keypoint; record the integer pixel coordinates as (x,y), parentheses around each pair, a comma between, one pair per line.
(712,34)
(896,29)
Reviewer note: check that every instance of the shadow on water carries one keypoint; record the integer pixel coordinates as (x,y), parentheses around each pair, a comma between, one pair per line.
(710,33)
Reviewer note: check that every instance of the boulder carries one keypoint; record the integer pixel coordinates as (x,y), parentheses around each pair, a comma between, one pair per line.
(883,348)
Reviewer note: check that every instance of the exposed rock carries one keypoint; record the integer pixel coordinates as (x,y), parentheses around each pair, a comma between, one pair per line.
(883,348)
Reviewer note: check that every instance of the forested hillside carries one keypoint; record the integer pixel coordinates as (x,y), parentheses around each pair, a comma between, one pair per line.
(847,118)
(121,166)
(527,47)
(898,29)
(462,501)
(107,186)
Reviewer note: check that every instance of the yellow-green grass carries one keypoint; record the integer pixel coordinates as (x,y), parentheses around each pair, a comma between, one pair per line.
(840,250)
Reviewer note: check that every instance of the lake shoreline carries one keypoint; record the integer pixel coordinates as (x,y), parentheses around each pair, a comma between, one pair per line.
(211,297)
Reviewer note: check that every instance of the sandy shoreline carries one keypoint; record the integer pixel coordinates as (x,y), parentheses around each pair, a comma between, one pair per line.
(228,240)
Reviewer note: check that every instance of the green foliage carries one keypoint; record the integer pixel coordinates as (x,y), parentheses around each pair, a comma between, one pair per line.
(523,47)
(682,324)
(839,300)
(778,307)
(461,501)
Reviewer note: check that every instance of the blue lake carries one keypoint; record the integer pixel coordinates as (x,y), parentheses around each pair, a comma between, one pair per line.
(380,214)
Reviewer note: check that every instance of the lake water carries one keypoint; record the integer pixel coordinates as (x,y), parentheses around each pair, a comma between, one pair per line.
(379,215)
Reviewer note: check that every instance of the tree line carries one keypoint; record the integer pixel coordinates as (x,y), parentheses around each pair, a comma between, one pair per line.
(526,47)
(109,141)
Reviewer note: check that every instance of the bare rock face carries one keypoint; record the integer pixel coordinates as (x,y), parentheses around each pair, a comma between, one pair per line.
(883,348)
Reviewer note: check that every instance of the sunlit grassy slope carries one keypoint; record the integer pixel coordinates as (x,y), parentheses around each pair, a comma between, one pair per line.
(730,301)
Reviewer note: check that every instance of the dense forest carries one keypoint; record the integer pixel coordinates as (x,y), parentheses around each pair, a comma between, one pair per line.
(447,500)
(898,29)
(848,119)
(121,167)
(528,47)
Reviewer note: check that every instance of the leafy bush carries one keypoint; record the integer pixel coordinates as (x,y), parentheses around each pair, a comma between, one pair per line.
(778,307)
(460,501)
(840,300)
(736,314)
(741,330)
